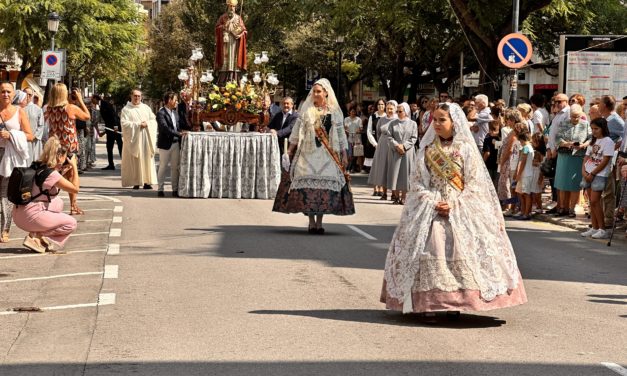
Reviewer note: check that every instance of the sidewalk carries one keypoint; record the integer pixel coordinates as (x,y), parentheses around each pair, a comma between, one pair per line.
(581,223)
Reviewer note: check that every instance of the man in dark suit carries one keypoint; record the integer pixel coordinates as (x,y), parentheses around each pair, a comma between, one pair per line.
(283,122)
(182,108)
(169,142)
(113,129)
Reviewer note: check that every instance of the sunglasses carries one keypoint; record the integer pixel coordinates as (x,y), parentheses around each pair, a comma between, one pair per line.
(399,111)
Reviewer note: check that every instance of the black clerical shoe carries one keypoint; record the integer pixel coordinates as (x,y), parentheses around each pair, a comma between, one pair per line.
(147,186)
(160,194)
(175,194)
(136,187)
(108,168)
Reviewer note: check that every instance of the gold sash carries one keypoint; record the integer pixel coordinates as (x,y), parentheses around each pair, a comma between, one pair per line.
(444,166)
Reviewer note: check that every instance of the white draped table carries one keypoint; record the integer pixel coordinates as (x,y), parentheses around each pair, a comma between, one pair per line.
(229,165)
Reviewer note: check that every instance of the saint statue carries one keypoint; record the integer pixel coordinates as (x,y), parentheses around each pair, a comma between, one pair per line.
(230,45)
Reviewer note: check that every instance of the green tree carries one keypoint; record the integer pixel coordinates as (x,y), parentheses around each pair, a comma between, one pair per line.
(100,36)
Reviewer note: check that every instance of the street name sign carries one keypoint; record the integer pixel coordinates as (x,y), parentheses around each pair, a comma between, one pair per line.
(515,50)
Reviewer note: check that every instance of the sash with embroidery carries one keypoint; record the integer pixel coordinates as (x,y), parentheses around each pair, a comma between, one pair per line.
(444,166)
(322,136)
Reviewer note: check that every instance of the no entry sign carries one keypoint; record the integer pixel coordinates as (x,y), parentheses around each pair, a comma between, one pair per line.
(515,50)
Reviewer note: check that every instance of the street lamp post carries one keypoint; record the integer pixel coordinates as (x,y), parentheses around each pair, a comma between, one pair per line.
(53,27)
(339,40)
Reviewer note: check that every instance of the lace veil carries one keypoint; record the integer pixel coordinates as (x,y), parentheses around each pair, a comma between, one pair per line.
(309,116)
(475,217)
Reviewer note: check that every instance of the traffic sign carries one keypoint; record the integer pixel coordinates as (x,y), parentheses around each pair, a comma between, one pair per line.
(52,66)
(515,50)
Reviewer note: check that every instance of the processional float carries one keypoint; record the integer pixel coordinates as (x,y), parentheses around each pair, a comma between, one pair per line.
(232,98)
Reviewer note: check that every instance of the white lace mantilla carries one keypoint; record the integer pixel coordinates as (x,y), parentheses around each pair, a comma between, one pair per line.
(484,259)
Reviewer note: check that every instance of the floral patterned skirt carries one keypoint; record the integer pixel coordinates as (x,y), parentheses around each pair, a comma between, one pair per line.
(311,201)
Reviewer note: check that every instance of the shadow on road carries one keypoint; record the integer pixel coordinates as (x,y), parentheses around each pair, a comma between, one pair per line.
(377,316)
(344,368)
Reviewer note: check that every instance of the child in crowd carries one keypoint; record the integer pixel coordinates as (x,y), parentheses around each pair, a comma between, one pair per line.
(490,151)
(595,171)
(539,152)
(524,175)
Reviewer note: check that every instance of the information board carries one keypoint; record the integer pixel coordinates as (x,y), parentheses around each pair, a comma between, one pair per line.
(593,66)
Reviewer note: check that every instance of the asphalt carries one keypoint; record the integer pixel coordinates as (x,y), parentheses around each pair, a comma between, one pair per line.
(227,287)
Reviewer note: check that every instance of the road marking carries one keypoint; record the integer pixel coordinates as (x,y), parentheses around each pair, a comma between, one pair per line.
(118,209)
(116,220)
(91,210)
(361,232)
(616,368)
(48,254)
(73,235)
(95,220)
(50,277)
(115,232)
(111,272)
(108,198)
(103,299)
(114,249)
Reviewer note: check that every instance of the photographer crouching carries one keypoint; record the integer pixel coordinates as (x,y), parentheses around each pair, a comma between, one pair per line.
(49,228)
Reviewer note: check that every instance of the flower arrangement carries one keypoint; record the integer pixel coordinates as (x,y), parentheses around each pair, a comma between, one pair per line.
(240,98)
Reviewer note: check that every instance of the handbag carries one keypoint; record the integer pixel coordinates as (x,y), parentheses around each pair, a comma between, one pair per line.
(548,167)
(358,150)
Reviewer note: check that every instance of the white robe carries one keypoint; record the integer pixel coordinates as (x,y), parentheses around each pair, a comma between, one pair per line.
(138,162)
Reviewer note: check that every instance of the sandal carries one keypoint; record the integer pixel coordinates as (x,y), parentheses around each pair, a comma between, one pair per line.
(5,237)
(74,209)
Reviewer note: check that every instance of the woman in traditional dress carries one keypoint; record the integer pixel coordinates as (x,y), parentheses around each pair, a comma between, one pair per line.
(318,183)
(379,171)
(370,147)
(402,136)
(61,118)
(450,251)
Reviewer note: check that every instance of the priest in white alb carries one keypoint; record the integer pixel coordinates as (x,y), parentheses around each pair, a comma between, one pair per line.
(139,133)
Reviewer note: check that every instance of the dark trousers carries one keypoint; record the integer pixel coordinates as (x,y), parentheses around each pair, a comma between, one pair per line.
(112,138)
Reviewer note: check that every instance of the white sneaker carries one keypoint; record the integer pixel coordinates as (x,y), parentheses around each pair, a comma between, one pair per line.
(589,232)
(507,213)
(601,234)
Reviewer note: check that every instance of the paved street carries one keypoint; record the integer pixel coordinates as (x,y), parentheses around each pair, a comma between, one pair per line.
(226,287)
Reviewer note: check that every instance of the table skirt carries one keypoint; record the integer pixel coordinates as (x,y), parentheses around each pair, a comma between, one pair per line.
(229,165)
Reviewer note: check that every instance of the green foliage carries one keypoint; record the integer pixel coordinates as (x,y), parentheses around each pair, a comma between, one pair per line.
(101,36)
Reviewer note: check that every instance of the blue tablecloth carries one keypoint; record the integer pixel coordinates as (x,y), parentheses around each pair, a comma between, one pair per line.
(229,165)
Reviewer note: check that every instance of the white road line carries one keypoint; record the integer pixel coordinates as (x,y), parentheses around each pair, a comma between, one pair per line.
(361,232)
(115,232)
(96,220)
(91,210)
(48,254)
(116,220)
(616,368)
(73,235)
(85,201)
(103,299)
(50,277)
(108,198)
(111,272)
(114,249)
(118,209)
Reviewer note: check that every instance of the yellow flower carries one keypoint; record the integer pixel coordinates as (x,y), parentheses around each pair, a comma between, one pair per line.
(233,97)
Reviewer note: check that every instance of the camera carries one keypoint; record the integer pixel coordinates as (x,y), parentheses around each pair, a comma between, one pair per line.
(68,158)
(576,143)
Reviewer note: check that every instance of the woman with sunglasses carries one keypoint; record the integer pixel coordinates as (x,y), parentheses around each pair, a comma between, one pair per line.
(14,125)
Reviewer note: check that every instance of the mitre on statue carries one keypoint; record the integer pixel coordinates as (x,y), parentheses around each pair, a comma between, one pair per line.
(231,2)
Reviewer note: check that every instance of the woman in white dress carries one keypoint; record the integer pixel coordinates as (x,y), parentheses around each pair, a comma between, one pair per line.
(450,251)
(318,182)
